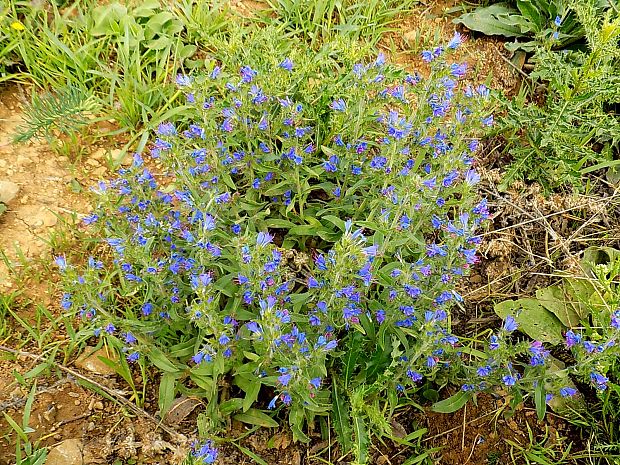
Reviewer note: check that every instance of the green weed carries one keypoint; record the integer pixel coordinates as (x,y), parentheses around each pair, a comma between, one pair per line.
(321,20)
(575,130)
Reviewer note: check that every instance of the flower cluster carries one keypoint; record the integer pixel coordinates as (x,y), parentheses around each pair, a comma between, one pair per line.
(290,222)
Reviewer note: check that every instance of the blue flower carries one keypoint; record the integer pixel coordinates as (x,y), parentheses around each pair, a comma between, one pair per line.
(338,105)
(206,453)
(557,21)
(287,64)
(568,392)
(61,262)
(183,80)
(284,379)
(456,40)
(509,380)
(599,381)
(510,324)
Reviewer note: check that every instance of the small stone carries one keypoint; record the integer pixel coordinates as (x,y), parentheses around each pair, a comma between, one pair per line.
(98,405)
(8,191)
(68,452)
(410,37)
(91,404)
(76,402)
(98,155)
(92,162)
(23,160)
(101,171)
(73,394)
(90,361)
(58,437)
(91,426)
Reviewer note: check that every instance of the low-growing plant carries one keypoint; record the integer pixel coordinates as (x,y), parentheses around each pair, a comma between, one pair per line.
(300,247)
(304,243)
(575,129)
(537,20)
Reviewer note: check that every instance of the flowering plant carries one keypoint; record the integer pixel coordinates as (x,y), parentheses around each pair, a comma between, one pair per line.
(301,237)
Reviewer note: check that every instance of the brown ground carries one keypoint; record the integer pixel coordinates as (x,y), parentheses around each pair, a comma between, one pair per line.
(478,435)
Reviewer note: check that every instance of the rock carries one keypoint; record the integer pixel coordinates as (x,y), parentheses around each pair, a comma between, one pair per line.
(98,155)
(68,452)
(8,191)
(100,172)
(98,405)
(90,361)
(92,162)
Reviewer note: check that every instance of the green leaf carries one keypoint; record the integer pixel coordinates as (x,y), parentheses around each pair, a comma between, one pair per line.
(251,394)
(452,403)
(361,440)
(342,422)
(497,19)
(167,390)
(530,12)
(161,361)
(231,405)
(540,400)
(256,417)
(257,458)
(534,319)
(555,300)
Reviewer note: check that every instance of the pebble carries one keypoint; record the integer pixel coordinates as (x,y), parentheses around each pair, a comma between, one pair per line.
(76,402)
(101,171)
(68,452)
(98,405)
(74,394)
(90,361)
(91,426)
(8,191)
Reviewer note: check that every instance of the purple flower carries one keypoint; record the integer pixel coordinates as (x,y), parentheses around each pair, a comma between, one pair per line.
(287,64)
(315,382)
(61,262)
(247,74)
(557,21)
(338,105)
(572,338)
(484,371)
(510,324)
(263,238)
(133,357)
(284,379)
(183,80)
(456,41)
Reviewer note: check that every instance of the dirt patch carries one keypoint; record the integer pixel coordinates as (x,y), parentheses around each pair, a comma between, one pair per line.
(45,195)
(482,433)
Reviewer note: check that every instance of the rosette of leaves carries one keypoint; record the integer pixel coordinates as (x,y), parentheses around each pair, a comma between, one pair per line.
(300,247)
(531,20)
